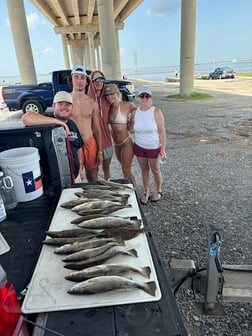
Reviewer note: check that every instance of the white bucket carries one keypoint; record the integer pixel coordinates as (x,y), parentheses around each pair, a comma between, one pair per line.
(22,165)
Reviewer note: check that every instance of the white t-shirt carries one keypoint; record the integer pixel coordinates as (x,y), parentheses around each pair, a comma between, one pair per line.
(145,129)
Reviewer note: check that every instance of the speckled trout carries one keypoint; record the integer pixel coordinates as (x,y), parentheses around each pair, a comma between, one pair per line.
(107,269)
(108,283)
(109,222)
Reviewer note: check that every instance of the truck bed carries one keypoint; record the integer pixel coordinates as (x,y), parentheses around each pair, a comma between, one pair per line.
(24,229)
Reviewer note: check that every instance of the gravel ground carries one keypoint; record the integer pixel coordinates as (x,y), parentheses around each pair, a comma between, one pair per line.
(207,180)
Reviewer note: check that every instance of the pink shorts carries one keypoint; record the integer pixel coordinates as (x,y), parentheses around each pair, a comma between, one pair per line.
(146,153)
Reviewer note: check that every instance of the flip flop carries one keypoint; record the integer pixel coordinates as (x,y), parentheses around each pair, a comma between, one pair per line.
(144,200)
(159,193)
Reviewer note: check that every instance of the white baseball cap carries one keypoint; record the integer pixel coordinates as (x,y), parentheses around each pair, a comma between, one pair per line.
(144,89)
(79,69)
(63,96)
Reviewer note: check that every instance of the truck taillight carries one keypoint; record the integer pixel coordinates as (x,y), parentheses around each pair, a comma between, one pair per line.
(3,95)
(11,319)
(9,309)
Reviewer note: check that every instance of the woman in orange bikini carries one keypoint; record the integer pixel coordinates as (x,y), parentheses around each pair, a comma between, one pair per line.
(119,118)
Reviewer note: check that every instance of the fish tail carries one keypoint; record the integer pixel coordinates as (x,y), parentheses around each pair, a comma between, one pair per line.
(150,288)
(146,271)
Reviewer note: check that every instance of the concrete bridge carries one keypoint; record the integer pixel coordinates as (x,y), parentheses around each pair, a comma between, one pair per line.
(89,32)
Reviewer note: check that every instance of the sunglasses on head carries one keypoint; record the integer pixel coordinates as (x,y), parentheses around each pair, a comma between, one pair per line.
(144,95)
(97,80)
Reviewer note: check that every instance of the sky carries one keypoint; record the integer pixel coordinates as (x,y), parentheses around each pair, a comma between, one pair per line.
(150,38)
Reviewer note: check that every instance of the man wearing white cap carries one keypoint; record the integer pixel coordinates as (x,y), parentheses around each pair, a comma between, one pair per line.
(86,116)
(62,111)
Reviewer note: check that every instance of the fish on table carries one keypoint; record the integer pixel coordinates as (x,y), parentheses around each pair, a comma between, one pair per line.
(80,219)
(104,211)
(78,246)
(107,269)
(74,202)
(105,283)
(69,233)
(89,253)
(67,240)
(123,233)
(78,265)
(108,222)
(97,194)
(102,184)
(97,204)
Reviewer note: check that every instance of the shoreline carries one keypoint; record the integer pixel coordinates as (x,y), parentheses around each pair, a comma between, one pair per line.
(238,85)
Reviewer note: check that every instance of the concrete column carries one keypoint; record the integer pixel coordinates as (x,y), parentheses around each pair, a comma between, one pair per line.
(65,51)
(22,43)
(108,40)
(86,58)
(187,46)
(78,55)
(91,50)
(98,54)
(118,56)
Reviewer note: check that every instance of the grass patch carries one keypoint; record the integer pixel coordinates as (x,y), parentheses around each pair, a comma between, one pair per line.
(192,96)
(244,74)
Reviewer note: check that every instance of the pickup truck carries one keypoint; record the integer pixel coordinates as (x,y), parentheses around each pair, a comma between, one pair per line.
(25,228)
(38,98)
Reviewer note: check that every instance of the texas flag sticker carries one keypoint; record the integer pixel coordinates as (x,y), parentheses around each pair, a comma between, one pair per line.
(30,183)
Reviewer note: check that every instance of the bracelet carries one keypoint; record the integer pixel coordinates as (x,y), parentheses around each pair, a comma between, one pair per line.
(100,152)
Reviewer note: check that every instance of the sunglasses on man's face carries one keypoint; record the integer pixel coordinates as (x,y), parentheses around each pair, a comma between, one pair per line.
(144,95)
(99,80)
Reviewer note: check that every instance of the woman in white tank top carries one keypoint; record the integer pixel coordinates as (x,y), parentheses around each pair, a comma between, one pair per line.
(150,141)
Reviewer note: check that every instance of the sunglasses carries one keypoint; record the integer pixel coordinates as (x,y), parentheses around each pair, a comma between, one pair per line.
(144,95)
(99,80)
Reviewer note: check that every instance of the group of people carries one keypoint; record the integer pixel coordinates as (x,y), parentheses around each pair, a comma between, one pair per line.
(97,123)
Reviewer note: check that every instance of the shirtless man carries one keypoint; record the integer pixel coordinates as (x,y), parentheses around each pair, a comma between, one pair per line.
(86,116)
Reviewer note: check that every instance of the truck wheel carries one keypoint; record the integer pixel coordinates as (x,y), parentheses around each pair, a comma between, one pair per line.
(124,97)
(32,106)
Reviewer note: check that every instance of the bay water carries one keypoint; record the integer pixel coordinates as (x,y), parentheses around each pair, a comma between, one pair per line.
(156,74)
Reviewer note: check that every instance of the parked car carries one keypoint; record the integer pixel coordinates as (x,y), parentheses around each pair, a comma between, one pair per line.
(221,73)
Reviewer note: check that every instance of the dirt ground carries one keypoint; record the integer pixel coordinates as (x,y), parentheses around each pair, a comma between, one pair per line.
(238,85)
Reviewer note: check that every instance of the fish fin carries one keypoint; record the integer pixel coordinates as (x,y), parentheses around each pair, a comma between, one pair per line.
(131,252)
(146,271)
(150,288)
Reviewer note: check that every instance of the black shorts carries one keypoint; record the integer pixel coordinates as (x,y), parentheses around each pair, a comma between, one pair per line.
(146,153)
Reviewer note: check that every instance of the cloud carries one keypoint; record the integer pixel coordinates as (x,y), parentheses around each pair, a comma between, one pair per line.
(33,20)
(48,51)
(164,8)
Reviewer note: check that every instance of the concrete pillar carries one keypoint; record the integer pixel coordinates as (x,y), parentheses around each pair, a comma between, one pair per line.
(65,51)
(118,56)
(108,40)
(91,50)
(22,43)
(78,54)
(86,58)
(98,54)
(187,46)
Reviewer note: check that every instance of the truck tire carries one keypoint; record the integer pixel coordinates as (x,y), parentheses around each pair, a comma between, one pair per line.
(32,106)
(124,97)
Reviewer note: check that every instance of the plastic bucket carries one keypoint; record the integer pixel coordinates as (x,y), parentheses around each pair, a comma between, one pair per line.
(22,164)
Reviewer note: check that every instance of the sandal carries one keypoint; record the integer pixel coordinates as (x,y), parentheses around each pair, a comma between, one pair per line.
(159,194)
(144,200)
